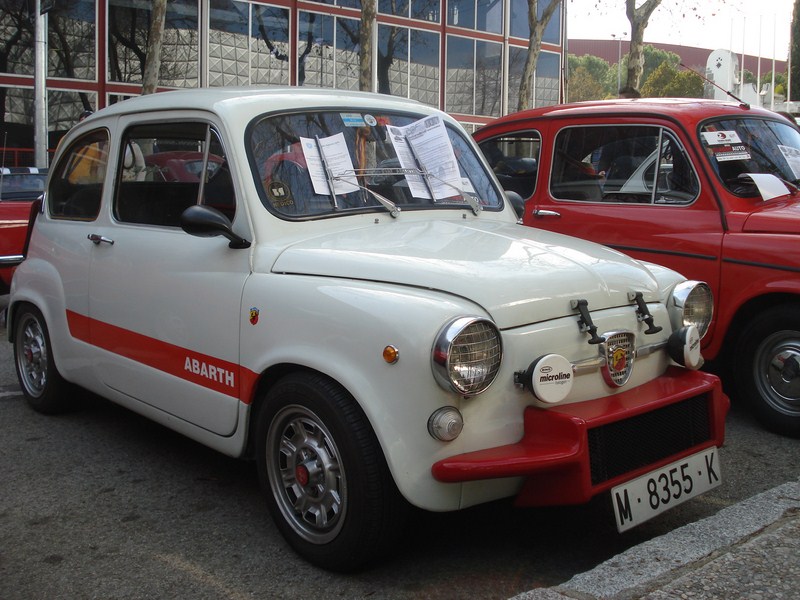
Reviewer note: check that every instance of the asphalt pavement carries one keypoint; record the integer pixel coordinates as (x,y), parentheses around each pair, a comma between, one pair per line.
(748,550)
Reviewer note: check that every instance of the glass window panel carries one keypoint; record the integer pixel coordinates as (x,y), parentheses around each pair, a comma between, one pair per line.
(547,77)
(16,39)
(228,43)
(461,13)
(393,7)
(460,87)
(519,22)
(488,78)
(71,42)
(128,31)
(347,50)
(76,186)
(64,109)
(424,74)
(519,19)
(350,3)
(516,64)
(269,45)
(17,106)
(426,10)
(315,64)
(393,60)
(490,16)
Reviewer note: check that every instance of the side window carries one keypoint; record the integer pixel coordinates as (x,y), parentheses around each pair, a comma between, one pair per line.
(514,160)
(77,183)
(677,181)
(604,163)
(167,167)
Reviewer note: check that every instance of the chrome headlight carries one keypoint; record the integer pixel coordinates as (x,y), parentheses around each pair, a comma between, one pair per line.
(692,304)
(466,355)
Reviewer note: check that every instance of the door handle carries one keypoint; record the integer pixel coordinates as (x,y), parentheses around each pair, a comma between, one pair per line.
(96,239)
(541,214)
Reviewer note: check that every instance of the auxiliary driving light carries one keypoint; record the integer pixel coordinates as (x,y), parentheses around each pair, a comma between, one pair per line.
(684,347)
(445,423)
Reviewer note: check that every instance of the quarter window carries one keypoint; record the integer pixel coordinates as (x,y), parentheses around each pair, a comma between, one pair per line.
(514,160)
(77,184)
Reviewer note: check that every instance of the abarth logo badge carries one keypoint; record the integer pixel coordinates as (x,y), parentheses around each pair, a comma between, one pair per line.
(254,316)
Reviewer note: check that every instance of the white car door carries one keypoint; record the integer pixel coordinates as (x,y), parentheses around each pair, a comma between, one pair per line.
(164,305)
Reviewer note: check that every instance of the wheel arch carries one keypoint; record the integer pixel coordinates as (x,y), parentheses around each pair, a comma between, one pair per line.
(750,309)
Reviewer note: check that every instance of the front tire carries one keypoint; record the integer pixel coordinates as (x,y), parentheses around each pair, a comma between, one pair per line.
(327,483)
(767,368)
(42,385)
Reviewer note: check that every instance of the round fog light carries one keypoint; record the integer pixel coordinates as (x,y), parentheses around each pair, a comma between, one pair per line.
(445,424)
(684,347)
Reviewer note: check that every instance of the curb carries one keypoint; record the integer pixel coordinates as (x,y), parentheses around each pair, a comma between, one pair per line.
(641,569)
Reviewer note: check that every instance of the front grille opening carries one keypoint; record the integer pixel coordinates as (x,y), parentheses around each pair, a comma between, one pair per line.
(620,447)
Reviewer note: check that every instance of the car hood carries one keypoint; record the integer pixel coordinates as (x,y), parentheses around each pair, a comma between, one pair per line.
(518,274)
(781,218)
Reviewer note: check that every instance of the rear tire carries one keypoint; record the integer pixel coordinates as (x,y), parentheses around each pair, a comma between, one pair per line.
(767,368)
(42,385)
(327,483)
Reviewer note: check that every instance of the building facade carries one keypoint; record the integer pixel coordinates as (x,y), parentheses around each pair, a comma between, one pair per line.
(463,56)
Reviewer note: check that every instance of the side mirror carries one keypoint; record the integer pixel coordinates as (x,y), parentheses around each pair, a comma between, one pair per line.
(517,202)
(204,221)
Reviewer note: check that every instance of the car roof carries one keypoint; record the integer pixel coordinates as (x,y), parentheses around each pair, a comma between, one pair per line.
(244,103)
(686,110)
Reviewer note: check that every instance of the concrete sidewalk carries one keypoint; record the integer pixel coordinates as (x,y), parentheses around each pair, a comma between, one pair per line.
(749,550)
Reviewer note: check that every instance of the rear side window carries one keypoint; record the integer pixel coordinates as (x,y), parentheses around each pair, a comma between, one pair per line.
(515,161)
(631,164)
(166,168)
(77,183)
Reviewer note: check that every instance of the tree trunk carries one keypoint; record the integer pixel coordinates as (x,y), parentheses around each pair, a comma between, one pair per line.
(368,17)
(536,28)
(152,64)
(638,18)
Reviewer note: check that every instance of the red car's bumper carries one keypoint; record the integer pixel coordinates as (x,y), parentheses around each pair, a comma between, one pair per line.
(572,453)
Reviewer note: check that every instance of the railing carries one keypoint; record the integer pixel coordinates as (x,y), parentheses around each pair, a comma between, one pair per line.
(20,157)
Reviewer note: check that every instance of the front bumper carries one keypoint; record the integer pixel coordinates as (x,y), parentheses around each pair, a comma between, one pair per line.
(571,453)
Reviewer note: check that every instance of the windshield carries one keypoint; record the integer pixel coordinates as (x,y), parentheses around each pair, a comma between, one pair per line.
(326,163)
(738,146)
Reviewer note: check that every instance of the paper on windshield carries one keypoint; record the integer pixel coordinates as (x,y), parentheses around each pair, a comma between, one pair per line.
(792,156)
(336,157)
(768,185)
(425,144)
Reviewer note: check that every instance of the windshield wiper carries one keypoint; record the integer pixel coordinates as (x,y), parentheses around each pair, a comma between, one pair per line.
(385,202)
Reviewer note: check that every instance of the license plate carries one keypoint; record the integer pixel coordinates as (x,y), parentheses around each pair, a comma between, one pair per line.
(649,495)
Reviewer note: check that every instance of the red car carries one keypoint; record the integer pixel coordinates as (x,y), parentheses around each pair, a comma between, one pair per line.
(19,187)
(704,187)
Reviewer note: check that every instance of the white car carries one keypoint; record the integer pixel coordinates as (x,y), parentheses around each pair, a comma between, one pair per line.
(339,289)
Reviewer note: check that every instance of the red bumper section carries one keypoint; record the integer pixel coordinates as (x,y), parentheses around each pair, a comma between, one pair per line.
(571,453)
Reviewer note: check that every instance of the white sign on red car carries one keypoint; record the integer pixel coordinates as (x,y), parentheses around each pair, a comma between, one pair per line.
(376,334)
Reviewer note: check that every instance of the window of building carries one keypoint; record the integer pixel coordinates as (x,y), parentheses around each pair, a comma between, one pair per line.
(327,49)
(474,77)
(408,63)
(519,22)
(128,32)
(269,45)
(72,40)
